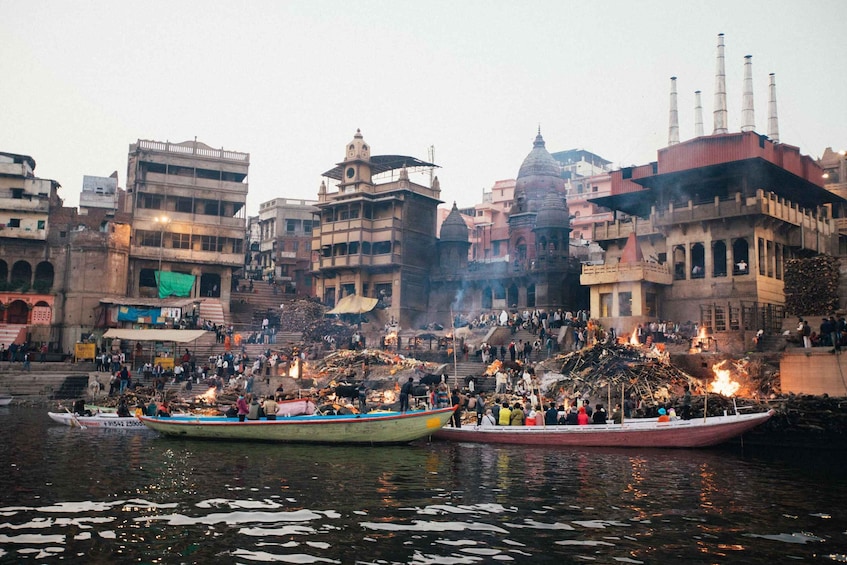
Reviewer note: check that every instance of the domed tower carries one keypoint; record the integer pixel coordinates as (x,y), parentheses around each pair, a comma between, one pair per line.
(356,166)
(454,242)
(552,231)
(539,175)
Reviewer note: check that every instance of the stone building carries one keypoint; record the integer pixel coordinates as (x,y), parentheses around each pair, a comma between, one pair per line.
(285,243)
(376,234)
(187,202)
(55,263)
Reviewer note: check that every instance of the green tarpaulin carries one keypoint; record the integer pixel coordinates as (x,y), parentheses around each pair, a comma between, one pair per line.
(174,284)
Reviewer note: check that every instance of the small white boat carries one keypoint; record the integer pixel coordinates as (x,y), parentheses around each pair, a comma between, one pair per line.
(5,399)
(104,420)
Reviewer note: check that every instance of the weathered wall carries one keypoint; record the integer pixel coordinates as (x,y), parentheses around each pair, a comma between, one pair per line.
(814,372)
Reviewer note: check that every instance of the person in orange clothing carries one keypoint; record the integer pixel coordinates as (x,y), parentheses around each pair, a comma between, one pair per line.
(663,415)
(582,417)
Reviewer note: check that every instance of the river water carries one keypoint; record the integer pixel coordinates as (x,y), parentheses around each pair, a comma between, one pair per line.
(96,496)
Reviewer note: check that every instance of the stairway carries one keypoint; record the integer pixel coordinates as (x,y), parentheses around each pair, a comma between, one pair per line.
(12,333)
(212,310)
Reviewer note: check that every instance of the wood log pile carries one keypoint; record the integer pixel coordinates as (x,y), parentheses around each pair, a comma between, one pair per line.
(609,368)
(811,286)
(345,360)
(301,314)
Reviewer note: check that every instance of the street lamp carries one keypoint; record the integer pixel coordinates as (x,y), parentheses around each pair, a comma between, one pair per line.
(163,221)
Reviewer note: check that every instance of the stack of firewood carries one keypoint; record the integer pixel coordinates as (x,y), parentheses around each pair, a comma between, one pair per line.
(811,286)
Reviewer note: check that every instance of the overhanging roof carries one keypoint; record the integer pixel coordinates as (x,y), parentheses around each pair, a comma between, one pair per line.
(706,183)
(178,336)
(382,164)
(354,304)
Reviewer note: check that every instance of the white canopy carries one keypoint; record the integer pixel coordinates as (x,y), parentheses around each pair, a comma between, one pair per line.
(178,336)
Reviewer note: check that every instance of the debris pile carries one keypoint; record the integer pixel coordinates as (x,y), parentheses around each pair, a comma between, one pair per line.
(345,360)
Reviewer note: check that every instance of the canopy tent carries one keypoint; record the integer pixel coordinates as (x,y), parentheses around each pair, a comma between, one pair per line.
(354,304)
(177,336)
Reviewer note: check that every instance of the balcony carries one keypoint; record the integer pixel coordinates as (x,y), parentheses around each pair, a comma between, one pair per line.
(641,271)
(170,255)
(153,180)
(25,204)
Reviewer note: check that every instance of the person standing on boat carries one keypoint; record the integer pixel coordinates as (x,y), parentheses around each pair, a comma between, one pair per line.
(582,417)
(505,417)
(243,407)
(458,407)
(516,415)
(270,406)
(551,416)
(487,419)
(480,408)
(686,403)
(405,393)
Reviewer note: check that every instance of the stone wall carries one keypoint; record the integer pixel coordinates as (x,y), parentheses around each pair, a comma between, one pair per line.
(815,371)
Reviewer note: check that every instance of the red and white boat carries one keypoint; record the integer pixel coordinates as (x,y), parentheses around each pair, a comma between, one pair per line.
(702,432)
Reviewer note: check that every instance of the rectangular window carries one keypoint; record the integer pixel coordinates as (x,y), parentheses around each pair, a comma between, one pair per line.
(307,226)
(290,226)
(625,304)
(150,201)
(183,205)
(41,224)
(720,319)
(295,246)
(605,304)
(17,193)
(147,238)
(180,241)
(211,243)
(14,223)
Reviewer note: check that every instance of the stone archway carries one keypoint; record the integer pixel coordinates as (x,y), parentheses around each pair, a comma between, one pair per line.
(17,312)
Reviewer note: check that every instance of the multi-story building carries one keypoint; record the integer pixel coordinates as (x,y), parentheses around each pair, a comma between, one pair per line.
(285,242)
(187,202)
(376,236)
(55,264)
(99,192)
(28,266)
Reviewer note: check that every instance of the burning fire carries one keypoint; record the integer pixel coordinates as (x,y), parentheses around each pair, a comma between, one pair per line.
(723,383)
(633,339)
(208,397)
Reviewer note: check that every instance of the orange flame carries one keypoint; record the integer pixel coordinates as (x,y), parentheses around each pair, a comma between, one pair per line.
(633,339)
(209,396)
(723,383)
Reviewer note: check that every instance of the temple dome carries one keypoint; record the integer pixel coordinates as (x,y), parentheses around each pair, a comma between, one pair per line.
(553,212)
(454,227)
(539,174)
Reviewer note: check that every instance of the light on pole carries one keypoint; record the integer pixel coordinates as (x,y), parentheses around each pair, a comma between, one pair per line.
(163,222)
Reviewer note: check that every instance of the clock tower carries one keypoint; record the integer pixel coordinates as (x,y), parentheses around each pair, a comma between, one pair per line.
(356,167)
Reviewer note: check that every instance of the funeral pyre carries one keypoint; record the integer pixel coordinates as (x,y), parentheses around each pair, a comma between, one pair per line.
(612,372)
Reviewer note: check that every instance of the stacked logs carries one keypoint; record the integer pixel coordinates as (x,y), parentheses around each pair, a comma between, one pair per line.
(811,286)
(607,369)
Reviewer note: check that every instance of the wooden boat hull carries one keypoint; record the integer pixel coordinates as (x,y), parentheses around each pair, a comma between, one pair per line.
(633,433)
(109,420)
(366,429)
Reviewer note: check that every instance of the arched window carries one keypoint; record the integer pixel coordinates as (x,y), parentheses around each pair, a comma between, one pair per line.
(513,296)
(740,257)
(679,263)
(21,275)
(719,259)
(486,298)
(698,261)
(43,277)
(17,312)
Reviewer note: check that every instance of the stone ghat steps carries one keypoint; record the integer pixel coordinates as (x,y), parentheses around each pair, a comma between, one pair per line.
(44,385)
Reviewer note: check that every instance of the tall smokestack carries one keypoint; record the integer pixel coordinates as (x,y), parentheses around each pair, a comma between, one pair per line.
(698,115)
(720,91)
(748,116)
(773,121)
(673,130)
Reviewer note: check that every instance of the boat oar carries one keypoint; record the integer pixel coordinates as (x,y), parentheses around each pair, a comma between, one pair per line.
(76,423)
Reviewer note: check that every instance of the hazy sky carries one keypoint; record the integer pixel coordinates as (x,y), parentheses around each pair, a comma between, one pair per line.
(290,82)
